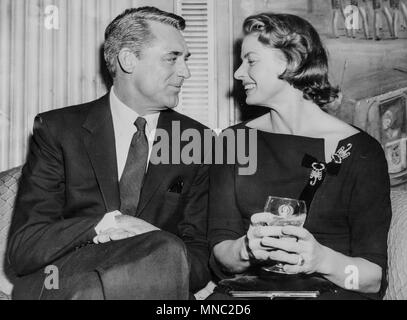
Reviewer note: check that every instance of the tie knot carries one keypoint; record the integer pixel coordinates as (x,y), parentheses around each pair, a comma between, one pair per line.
(140,124)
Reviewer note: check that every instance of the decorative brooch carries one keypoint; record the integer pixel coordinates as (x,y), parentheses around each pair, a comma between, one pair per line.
(342,154)
(319,169)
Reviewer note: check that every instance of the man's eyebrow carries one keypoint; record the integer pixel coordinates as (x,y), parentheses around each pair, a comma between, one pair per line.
(179,53)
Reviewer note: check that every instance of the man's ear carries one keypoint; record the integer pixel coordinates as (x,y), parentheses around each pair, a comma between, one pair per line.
(127,60)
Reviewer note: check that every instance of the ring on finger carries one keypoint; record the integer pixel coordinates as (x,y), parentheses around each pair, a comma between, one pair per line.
(301,260)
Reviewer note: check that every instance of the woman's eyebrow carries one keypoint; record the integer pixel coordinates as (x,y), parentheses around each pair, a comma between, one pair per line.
(248,54)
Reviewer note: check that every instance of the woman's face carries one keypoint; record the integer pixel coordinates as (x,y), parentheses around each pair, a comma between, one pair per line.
(261,66)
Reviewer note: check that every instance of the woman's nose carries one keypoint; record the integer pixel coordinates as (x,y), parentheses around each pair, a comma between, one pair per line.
(239,73)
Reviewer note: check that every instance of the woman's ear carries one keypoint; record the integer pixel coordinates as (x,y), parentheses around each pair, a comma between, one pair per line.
(127,60)
(283,62)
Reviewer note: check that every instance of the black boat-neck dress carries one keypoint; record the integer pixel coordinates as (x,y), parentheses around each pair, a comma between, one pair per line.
(350,211)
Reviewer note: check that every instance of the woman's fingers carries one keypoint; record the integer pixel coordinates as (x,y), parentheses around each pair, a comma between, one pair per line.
(255,244)
(297,232)
(261,254)
(293,268)
(258,250)
(267,231)
(282,256)
(261,218)
(285,243)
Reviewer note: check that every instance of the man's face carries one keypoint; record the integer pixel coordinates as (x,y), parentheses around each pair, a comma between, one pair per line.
(161,69)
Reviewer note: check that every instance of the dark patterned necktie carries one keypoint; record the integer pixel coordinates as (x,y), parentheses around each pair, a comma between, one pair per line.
(132,178)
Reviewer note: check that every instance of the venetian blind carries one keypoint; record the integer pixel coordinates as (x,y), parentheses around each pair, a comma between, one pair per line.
(197,98)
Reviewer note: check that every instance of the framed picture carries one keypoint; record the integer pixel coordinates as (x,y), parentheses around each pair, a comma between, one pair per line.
(393,133)
(393,119)
(396,156)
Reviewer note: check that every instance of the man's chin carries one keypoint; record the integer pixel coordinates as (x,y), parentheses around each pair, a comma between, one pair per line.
(165,104)
(173,103)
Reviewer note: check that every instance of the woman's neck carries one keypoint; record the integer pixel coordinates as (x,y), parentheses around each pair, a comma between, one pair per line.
(293,116)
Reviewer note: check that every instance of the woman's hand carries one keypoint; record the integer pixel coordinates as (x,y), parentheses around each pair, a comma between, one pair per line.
(252,247)
(306,255)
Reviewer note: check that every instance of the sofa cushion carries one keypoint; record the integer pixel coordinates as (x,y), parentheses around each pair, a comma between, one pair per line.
(397,244)
(8,190)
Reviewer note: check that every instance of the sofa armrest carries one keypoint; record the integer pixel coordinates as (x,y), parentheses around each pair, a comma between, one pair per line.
(8,190)
(397,244)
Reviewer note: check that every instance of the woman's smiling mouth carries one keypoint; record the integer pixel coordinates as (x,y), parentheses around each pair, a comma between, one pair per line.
(249,87)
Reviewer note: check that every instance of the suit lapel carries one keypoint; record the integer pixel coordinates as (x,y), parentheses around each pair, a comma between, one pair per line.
(100,144)
(156,174)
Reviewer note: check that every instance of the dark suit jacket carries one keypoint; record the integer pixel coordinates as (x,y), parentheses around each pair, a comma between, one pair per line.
(70,181)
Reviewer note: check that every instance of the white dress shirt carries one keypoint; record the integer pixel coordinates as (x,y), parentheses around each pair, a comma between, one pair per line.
(124,129)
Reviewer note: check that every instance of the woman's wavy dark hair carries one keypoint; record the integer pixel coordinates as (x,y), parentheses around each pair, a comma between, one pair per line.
(307,60)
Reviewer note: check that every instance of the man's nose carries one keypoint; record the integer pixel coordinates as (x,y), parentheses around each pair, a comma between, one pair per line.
(184,71)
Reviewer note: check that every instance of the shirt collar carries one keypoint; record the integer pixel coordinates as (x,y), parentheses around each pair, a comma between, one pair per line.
(123,114)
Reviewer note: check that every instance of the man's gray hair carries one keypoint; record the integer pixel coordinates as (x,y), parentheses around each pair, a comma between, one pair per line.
(131,30)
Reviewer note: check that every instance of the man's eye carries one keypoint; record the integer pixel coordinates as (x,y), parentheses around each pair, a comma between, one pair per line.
(172,59)
(251,62)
